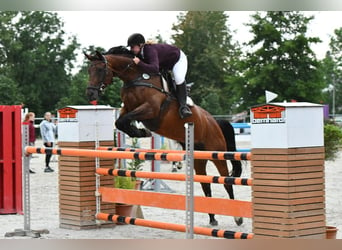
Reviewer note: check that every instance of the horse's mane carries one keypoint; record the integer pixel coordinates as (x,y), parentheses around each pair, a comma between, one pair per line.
(120,50)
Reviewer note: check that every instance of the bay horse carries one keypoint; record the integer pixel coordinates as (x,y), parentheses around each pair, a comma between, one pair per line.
(145,100)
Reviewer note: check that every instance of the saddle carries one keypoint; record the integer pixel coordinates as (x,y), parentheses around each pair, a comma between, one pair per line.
(169,85)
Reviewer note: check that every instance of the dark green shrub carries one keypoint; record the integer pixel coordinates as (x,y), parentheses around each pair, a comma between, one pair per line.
(332,141)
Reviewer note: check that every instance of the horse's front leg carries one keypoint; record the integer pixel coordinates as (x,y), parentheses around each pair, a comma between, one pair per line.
(125,123)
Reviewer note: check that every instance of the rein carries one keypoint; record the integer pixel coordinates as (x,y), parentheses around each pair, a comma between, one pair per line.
(138,82)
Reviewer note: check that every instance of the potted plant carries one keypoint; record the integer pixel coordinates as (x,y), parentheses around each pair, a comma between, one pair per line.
(121,208)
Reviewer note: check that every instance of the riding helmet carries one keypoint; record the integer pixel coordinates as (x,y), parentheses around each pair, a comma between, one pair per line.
(135,39)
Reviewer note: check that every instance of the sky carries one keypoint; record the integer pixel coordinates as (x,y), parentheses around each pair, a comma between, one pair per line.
(112,28)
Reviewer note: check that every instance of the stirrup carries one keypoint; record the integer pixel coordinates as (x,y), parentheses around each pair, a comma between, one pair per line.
(184,112)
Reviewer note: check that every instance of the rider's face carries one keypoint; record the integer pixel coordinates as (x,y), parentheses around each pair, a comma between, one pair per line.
(135,49)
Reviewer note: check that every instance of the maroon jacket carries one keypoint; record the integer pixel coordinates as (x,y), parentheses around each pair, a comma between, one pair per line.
(158,56)
(32,132)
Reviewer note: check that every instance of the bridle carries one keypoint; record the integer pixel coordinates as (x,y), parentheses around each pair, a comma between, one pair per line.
(102,85)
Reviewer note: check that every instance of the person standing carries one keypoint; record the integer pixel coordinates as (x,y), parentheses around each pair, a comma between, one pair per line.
(48,131)
(29,120)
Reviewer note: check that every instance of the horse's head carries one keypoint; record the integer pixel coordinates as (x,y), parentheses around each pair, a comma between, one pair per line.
(99,75)
(116,62)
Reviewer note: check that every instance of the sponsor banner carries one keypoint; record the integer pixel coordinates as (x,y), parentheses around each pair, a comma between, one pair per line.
(268,114)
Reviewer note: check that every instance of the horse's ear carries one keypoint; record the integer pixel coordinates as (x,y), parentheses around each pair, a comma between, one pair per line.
(100,56)
(88,56)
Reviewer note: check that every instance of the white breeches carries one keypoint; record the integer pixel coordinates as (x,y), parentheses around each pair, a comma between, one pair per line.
(180,69)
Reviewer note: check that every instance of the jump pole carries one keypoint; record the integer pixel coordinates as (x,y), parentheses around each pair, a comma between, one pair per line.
(155,184)
(288,171)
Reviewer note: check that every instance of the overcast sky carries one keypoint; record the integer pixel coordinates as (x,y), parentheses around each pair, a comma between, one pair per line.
(111,28)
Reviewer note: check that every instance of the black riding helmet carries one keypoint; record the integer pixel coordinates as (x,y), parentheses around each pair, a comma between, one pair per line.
(135,39)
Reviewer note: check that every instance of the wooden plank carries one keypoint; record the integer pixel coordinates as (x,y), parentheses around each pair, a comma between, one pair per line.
(263,151)
(288,164)
(78,179)
(288,227)
(76,218)
(105,182)
(258,232)
(289,170)
(83,161)
(295,195)
(288,157)
(79,213)
(75,193)
(295,176)
(288,183)
(76,173)
(89,209)
(305,150)
(77,198)
(288,209)
(287,189)
(288,202)
(174,201)
(277,220)
(85,203)
(283,214)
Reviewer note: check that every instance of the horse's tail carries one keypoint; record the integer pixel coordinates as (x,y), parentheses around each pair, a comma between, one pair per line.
(229,135)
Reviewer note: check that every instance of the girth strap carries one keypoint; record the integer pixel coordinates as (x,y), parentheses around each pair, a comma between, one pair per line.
(137,83)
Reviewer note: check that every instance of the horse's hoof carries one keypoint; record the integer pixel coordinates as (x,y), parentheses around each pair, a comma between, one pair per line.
(214,223)
(238,220)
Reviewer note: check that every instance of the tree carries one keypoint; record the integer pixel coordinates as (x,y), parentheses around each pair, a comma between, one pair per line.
(76,92)
(332,69)
(37,56)
(206,40)
(281,60)
(9,94)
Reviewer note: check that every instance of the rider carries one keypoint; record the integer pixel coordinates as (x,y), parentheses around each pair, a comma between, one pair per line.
(153,57)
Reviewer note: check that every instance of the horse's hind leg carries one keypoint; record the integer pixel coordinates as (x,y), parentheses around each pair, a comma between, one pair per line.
(200,168)
(223,170)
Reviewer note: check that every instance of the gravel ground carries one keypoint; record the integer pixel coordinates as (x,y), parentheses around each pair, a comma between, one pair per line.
(44,206)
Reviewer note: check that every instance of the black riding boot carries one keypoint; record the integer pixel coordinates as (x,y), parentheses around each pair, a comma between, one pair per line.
(184,110)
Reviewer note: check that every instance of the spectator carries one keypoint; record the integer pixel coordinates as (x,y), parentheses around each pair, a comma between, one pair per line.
(48,131)
(29,120)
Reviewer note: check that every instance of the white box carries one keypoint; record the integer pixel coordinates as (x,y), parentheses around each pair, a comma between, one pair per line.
(287,125)
(85,123)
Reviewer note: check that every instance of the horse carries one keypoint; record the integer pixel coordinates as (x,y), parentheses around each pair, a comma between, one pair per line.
(145,100)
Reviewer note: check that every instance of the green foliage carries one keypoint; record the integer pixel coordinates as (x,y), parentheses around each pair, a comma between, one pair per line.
(75,94)
(135,164)
(124,182)
(37,56)
(9,94)
(206,40)
(281,60)
(332,70)
(332,141)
